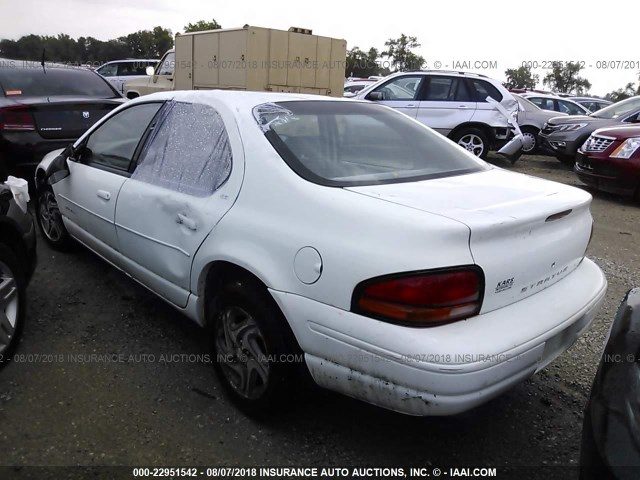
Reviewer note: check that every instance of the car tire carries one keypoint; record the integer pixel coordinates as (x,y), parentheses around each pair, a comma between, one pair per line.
(531,133)
(252,344)
(50,221)
(473,140)
(13,286)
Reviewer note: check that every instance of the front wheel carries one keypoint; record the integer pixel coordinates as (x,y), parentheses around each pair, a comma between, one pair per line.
(12,302)
(473,140)
(50,220)
(255,354)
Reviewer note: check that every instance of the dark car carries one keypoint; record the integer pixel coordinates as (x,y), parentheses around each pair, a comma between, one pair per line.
(593,104)
(611,427)
(564,135)
(17,262)
(46,108)
(610,160)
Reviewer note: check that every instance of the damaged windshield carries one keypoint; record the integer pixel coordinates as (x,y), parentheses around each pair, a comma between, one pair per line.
(354,143)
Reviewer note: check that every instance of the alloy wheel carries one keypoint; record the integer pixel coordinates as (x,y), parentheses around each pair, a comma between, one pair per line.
(49,215)
(9,302)
(242,353)
(472,143)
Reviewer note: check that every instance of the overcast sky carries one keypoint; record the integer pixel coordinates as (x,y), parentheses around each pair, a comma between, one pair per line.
(506,32)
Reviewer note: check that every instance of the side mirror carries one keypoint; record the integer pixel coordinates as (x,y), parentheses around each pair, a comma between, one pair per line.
(58,169)
(375,96)
(348,94)
(150,70)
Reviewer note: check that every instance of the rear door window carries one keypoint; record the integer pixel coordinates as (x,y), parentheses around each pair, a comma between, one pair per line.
(442,89)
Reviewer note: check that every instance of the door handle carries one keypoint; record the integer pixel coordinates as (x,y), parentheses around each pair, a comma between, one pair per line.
(186,221)
(462,106)
(411,105)
(104,194)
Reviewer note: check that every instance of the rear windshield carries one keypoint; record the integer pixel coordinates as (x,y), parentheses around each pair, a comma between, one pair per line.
(352,143)
(619,109)
(34,82)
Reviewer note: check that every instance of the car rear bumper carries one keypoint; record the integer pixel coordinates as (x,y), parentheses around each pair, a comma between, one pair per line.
(26,149)
(448,369)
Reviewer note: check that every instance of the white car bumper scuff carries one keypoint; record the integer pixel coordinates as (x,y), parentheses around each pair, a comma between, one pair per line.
(449,369)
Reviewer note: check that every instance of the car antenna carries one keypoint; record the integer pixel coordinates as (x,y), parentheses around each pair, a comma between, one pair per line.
(42,62)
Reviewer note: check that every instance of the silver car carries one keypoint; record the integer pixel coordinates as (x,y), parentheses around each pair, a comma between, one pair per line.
(531,118)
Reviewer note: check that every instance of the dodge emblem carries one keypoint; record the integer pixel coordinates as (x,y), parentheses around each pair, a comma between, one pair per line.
(85,114)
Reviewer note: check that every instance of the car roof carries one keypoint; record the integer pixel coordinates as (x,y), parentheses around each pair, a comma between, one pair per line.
(234,99)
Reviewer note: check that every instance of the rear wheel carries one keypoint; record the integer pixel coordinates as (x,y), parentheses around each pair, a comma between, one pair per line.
(473,140)
(50,220)
(12,302)
(255,354)
(531,141)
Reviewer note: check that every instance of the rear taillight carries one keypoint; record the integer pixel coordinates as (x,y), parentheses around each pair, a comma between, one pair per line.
(422,299)
(16,119)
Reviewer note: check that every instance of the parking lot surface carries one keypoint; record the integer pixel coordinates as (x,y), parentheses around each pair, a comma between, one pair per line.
(107,374)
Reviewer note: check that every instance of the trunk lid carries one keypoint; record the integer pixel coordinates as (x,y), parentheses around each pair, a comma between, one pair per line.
(525,233)
(67,117)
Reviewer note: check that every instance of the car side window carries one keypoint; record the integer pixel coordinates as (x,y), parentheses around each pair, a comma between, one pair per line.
(168,64)
(187,152)
(401,88)
(441,89)
(108,70)
(544,103)
(569,108)
(127,69)
(485,89)
(114,142)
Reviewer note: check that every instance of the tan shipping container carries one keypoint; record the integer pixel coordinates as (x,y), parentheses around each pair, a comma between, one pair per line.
(260,59)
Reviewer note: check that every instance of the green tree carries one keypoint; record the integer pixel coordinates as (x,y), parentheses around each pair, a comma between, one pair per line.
(398,50)
(521,77)
(362,64)
(202,25)
(629,90)
(564,78)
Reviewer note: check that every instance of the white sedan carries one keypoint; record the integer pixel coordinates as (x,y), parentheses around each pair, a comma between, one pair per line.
(330,237)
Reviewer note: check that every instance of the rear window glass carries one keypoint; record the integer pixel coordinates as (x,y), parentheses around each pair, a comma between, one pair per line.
(32,81)
(353,143)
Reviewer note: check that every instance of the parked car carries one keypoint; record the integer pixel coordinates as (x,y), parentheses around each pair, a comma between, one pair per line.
(565,135)
(531,119)
(593,104)
(17,263)
(354,86)
(556,104)
(407,271)
(44,109)
(452,103)
(611,427)
(610,160)
(119,71)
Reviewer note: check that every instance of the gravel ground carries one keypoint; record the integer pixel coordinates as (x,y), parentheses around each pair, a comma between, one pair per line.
(155,409)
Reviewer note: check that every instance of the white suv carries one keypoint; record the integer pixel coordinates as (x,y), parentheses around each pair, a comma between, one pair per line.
(119,71)
(452,103)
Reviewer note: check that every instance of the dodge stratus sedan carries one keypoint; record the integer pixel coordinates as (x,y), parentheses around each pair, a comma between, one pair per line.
(398,267)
